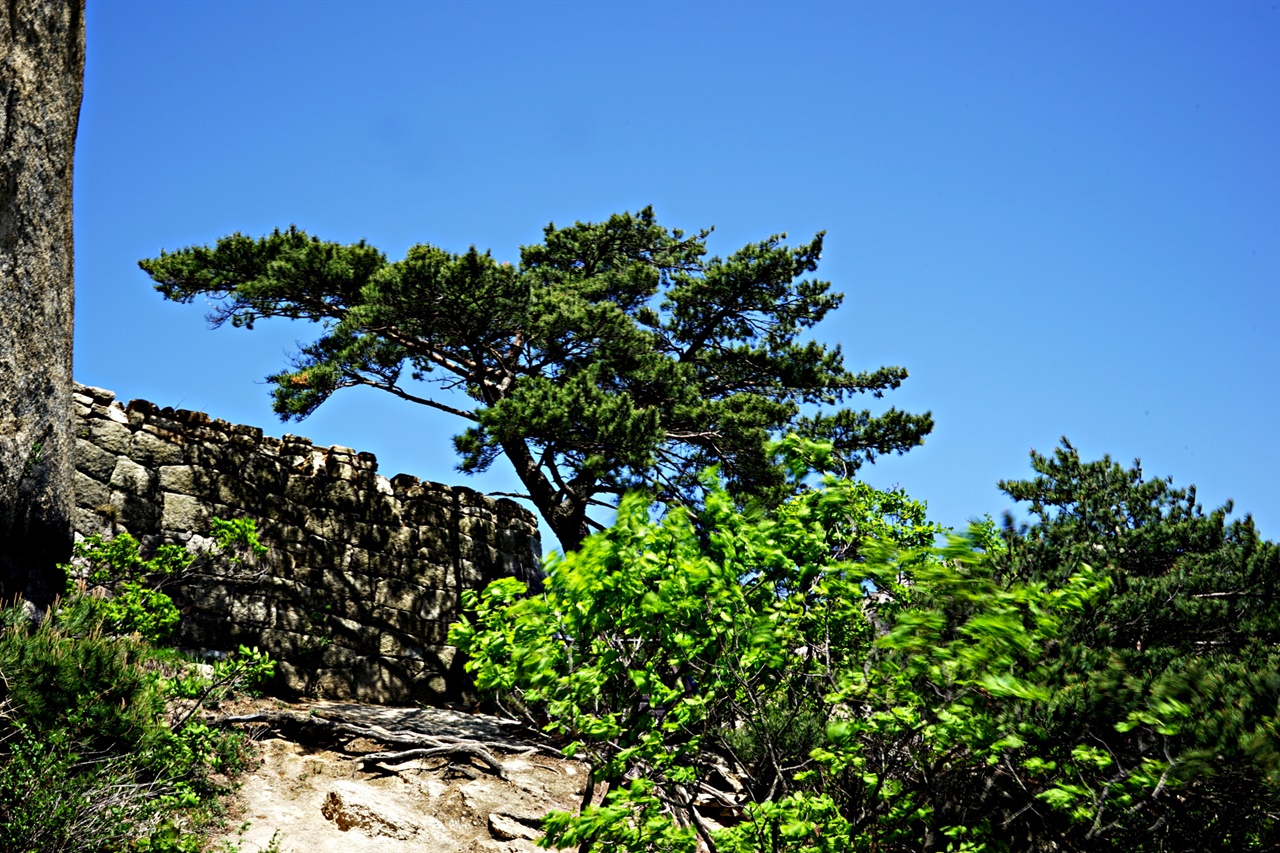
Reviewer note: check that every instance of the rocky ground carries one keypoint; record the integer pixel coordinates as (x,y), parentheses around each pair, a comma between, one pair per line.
(311,798)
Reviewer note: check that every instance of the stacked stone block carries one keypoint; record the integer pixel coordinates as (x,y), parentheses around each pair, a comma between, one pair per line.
(364,574)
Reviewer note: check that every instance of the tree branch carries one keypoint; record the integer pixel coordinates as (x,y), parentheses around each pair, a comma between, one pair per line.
(392,388)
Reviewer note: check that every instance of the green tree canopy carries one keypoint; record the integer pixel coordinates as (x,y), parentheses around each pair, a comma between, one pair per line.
(1189,634)
(819,677)
(675,656)
(618,355)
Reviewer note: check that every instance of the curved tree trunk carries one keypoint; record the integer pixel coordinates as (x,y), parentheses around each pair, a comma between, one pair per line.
(41,83)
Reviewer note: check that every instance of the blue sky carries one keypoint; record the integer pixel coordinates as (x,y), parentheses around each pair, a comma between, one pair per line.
(1062,218)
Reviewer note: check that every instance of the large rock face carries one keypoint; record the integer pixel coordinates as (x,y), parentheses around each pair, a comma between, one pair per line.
(41,81)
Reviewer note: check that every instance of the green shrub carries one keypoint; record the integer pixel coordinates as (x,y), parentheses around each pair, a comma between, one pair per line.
(101,746)
(133,601)
(92,687)
(53,798)
(133,598)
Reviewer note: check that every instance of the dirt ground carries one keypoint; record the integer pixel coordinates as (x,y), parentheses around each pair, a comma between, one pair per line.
(310,800)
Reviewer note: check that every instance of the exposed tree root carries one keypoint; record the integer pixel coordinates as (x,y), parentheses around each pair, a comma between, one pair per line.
(471,750)
(313,728)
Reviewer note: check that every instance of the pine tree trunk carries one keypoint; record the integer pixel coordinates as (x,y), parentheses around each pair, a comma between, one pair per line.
(41,83)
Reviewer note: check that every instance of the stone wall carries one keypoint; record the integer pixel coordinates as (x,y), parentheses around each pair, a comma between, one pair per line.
(364,573)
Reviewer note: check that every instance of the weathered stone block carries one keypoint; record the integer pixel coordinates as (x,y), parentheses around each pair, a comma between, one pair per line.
(371,537)
(183,512)
(206,629)
(380,680)
(402,540)
(152,451)
(475,576)
(234,491)
(445,656)
(378,507)
(183,479)
(292,617)
(340,468)
(131,478)
(477,528)
(358,610)
(163,421)
(352,634)
(284,644)
(291,677)
(420,513)
(480,553)
(254,434)
(438,541)
(343,584)
(437,604)
(94,394)
(133,513)
(398,595)
(391,645)
(280,510)
(338,657)
(426,570)
(341,495)
(90,494)
(86,522)
(397,621)
(432,687)
(204,454)
(322,523)
(205,596)
(292,536)
(250,611)
(355,560)
(110,436)
(322,552)
(336,683)
(266,474)
(235,459)
(93,460)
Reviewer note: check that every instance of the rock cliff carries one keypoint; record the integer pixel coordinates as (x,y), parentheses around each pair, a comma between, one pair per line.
(41,82)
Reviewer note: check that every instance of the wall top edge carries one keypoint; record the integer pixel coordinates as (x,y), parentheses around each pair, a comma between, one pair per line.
(102,403)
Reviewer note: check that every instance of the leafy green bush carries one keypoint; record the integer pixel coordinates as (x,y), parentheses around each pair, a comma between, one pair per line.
(133,600)
(101,747)
(874,691)
(864,681)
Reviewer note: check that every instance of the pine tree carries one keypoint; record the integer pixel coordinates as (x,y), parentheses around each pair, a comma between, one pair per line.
(1178,665)
(618,355)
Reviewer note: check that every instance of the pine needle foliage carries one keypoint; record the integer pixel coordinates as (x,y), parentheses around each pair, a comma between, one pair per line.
(616,356)
(1184,651)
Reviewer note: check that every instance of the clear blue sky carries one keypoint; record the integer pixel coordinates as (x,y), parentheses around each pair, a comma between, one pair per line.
(1062,218)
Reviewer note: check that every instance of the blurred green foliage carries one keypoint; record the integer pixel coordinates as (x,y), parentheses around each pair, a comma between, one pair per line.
(873,690)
